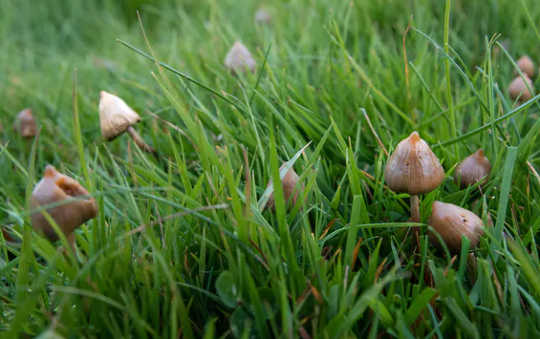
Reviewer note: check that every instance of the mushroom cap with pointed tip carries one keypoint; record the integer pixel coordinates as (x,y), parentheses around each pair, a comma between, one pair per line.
(289,186)
(262,15)
(239,59)
(26,124)
(115,116)
(452,222)
(474,168)
(54,189)
(519,88)
(413,168)
(526,65)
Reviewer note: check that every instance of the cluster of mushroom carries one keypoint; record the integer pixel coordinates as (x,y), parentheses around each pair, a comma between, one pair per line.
(414,169)
(64,201)
(60,199)
(522,88)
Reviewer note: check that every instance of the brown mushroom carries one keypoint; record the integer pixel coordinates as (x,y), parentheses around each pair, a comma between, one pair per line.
(526,65)
(25,124)
(452,222)
(239,59)
(521,89)
(7,236)
(413,168)
(70,203)
(116,117)
(290,190)
(474,168)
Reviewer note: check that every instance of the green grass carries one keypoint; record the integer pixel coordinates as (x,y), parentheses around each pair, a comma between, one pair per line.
(181,247)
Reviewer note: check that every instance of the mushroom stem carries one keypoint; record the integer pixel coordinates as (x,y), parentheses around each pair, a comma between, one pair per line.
(415,208)
(139,140)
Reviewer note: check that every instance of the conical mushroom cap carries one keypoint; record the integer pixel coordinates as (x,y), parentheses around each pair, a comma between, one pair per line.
(55,188)
(115,116)
(518,89)
(452,222)
(26,124)
(262,16)
(474,168)
(239,59)
(413,168)
(290,190)
(526,65)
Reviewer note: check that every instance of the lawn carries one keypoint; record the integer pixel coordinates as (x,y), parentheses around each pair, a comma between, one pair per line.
(183,246)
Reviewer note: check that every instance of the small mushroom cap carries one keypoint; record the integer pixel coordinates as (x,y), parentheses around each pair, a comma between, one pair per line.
(518,89)
(53,189)
(239,59)
(115,116)
(290,190)
(262,16)
(413,168)
(7,236)
(474,168)
(452,222)
(526,65)
(25,124)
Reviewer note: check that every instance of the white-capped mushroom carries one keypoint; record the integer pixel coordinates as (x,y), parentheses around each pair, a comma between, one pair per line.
(262,16)
(116,117)
(239,59)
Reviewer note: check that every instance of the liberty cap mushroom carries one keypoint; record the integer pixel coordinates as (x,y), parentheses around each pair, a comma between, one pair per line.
(7,236)
(262,16)
(526,65)
(25,124)
(520,88)
(474,168)
(413,168)
(116,117)
(452,222)
(72,205)
(289,186)
(239,59)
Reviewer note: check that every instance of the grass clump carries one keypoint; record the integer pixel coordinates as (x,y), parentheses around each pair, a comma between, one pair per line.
(182,245)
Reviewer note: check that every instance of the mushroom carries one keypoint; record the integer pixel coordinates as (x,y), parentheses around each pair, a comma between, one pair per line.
(262,16)
(116,117)
(25,124)
(452,222)
(71,204)
(526,65)
(520,88)
(239,59)
(474,168)
(288,184)
(7,236)
(413,168)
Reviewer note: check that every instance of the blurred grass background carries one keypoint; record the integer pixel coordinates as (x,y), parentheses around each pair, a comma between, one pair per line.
(347,264)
